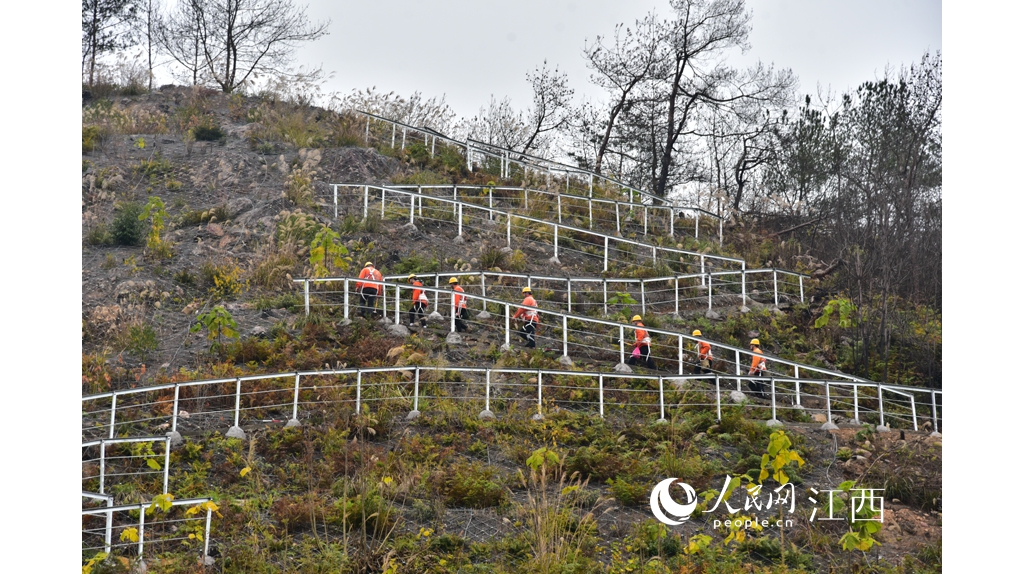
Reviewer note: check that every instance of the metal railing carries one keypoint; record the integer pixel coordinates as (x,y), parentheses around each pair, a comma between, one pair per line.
(599,327)
(669,294)
(152,527)
(606,249)
(506,157)
(567,205)
(119,466)
(414,386)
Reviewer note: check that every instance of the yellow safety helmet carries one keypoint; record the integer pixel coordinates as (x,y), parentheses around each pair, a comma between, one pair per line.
(697,333)
(453,280)
(412,276)
(368,264)
(755,342)
(527,290)
(636,318)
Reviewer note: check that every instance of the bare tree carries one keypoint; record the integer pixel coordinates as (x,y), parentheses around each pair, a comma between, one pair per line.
(621,68)
(551,98)
(178,37)
(235,41)
(107,25)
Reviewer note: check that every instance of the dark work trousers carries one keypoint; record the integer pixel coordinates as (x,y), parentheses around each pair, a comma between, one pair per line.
(703,367)
(644,358)
(418,312)
(758,388)
(529,331)
(460,319)
(369,296)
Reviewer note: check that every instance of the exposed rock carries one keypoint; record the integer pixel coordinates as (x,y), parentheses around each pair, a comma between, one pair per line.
(459,240)
(258,332)
(554,261)
(818,418)
(394,352)
(744,309)
(622,368)
(237,206)
(737,396)
(435,317)
(453,339)
(710,314)
(564,360)
(483,315)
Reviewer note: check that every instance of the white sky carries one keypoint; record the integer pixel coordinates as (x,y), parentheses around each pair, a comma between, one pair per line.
(469,50)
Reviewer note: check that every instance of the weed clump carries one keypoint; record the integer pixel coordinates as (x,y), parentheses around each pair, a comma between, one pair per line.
(127,228)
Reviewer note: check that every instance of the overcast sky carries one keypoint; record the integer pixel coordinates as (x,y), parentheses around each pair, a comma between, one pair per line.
(468,50)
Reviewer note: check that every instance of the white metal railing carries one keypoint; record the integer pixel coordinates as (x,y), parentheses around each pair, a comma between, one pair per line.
(153,526)
(657,294)
(507,157)
(599,327)
(284,394)
(121,463)
(461,210)
(521,200)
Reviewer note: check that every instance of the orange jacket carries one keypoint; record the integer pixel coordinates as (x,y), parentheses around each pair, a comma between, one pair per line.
(704,351)
(642,336)
(460,300)
(757,364)
(418,294)
(528,314)
(370,273)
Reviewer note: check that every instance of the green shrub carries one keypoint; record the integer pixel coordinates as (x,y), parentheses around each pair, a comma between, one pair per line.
(138,340)
(475,485)
(208,133)
(99,234)
(492,257)
(91,138)
(127,228)
(628,492)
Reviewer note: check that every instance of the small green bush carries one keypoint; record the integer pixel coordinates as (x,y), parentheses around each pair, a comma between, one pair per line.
(127,228)
(474,485)
(208,133)
(91,138)
(627,492)
(99,234)
(138,340)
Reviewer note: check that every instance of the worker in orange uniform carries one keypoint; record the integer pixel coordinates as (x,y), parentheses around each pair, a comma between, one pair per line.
(704,356)
(757,369)
(420,303)
(461,313)
(642,347)
(369,291)
(530,318)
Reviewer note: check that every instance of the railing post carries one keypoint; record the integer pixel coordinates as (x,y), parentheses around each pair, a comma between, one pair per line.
(701,269)
(643,298)
(680,354)
(540,397)
(913,411)
(142,528)
(416,392)
(483,288)
(113,415)
(565,336)
(206,535)
(367,131)
(366,202)
(743,284)
(346,298)
(661,397)
(437,294)
(167,461)
(828,404)
(453,312)
(403,138)
(856,406)
(775,286)
(600,394)
(238,398)
(622,345)
(935,414)
(696,225)
(796,375)
(881,408)
(559,197)
(590,208)
(526,199)
(103,465)
(720,236)
(490,202)
(359,389)
(508,332)
(801,278)
(294,422)
(398,300)
(556,241)
(677,295)
(568,292)
(335,186)
(709,289)
(108,530)
(775,416)
(645,220)
(604,284)
(412,209)
(606,252)
(469,162)
(738,385)
(174,412)
(305,295)
(393,127)
(672,223)
(718,397)
(618,229)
